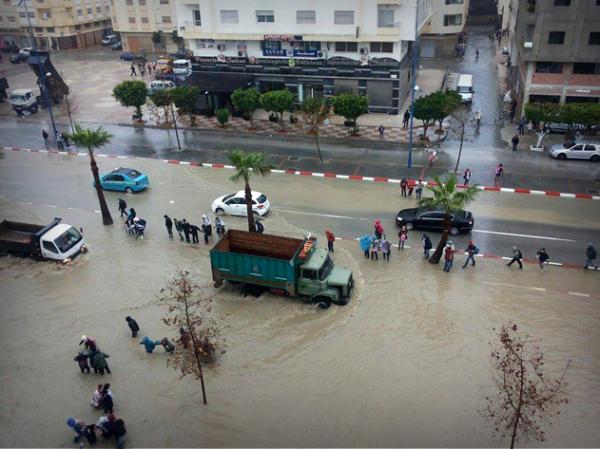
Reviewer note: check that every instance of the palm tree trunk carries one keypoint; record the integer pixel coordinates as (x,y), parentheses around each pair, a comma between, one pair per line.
(249,212)
(281,124)
(317,143)
(106,218)
(437,255)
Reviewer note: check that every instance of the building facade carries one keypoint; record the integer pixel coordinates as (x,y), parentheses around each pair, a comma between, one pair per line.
(555,54)
(57,24)
(442,30)
(309,47)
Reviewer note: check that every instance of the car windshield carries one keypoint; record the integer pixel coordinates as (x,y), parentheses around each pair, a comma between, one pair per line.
(325,269)
(464,89)
(226,197)
(261,199)
(17,98)
(68,240)
(180,65)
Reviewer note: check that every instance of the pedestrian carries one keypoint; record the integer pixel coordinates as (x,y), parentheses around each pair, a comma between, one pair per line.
(122,207)
(432,157)
(375,248)
(97,396)
(149,69)
(449,257)
(206,228)
(186,230)
(591,254)
(149,345)
(59,142)
(427,245)
(100,363)
(478,118)
(133,72)
(411,187)
(89,344)
(89,433)
(330,240)
(522,124)
(471,250)
(378,229)
(386,247)
(106,401)
(405,119)
(499,174)
(220,227)
(132,214)
(515,142)
(195,231)
(45,137)
(169,226)
(143,69)
(82,361)
(119,431)
(403,184)
(517,255)
(77,425)
(178,228)
(365,244)
(402,237)
(476,58)
(105,424)
(258,226)
(133,326)
(169,347)
(65,138)
(542,257)
(419,189)
(381,131)
(466,176)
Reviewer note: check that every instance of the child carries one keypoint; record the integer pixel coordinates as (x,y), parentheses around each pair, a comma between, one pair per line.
(386,246)
(375,248)
(543,258)
(82,360)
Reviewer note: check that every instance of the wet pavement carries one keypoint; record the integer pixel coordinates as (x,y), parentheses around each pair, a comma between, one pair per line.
(406,363)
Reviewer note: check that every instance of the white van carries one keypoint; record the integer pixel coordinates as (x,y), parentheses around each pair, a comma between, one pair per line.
(464,87)
(182,67)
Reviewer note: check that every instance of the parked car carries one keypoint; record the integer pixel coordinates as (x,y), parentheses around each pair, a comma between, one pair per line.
(127,56)
(117,46)
(110,39)
(124,180)
(585,151)
(18,58)
(562,128)
(433,220)
(235,204)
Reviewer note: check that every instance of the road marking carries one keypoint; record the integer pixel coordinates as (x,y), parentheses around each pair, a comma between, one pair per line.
(510,234)
(345,217)
(583,295)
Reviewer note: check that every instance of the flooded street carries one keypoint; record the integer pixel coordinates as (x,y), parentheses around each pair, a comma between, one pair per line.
(405,363)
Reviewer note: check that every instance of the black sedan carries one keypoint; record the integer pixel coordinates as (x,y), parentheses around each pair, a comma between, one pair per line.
(433,220)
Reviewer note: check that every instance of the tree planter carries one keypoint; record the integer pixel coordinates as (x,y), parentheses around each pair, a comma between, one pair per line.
(539,148)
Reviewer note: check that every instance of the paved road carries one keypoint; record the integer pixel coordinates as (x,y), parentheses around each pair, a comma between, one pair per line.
(349,208)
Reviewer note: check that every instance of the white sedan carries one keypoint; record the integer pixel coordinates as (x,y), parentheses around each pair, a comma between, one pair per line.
(235,204)
(585,151)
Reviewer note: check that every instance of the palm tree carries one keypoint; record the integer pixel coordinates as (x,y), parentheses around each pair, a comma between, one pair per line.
(91,140)
(447,198)
(246,164)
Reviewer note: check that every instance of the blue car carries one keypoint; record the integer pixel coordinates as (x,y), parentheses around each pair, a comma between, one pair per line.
(124,180)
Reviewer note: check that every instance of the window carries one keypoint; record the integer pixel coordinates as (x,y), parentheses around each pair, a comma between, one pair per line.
(1,19)
(197,19)
(385,16)
(79,12)
(562,2)
(164,2)
(50,247)
(229,16)
(577,148)
(265,16)
(343,17)
(22,14)
(382,47)
(271,45)
(308,46)
(88,25)
(166,19)
(39,30)
(11,18)
(99,9)
(586,68)
(309,274)
(144,19)
(590,148)
(594,38)
(556,37)
(306,17)
(132,20)
(142,2)
(548,67)
(454,2)
(77,27)
(31,14)
(46,13)
(129,2)
(50,29)
(346,46)
(452,20)
(89,10)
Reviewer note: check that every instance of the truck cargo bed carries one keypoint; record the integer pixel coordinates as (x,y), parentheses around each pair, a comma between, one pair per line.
(13,235)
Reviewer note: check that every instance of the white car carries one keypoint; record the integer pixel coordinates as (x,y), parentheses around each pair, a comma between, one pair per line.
(235,204)
(585,151)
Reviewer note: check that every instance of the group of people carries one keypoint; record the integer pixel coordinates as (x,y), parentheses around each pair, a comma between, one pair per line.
(148,343)
(142,67)
(134,225)
(190,232)
(91,356)
(407,187)
(107,427)
(62,140)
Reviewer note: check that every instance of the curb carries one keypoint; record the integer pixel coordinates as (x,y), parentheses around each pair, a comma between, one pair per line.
(585,196)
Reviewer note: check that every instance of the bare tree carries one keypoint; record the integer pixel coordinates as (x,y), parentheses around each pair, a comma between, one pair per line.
(190,311)
(527,398)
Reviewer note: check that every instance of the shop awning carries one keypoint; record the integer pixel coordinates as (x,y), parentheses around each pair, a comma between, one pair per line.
(222,82)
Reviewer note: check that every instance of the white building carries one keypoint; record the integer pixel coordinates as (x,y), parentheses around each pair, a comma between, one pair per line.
(442,30)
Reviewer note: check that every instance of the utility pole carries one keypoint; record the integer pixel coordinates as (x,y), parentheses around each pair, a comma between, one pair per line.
(42,76)
(414,84)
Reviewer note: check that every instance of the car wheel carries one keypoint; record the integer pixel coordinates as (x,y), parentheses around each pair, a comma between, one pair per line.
(409,226)
(128,190)
(322,302)
(219,210)
(561,156)
(595,158)
(454,230)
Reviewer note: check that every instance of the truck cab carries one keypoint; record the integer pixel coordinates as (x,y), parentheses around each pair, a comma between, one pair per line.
(62,242)
(182,67)
(464,88)
(23,100)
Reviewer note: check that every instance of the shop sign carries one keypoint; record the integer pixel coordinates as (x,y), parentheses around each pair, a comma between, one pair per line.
(282,37)
(278,52)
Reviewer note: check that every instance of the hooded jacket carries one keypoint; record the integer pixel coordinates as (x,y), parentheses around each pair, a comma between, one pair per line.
(133,325)
(100,360)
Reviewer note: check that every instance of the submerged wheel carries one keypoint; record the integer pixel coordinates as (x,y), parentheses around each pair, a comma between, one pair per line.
(454,230)
(251,290)
(561,156)
(219,210)
(128,190)
(322,302)
(409,226)
(595,158)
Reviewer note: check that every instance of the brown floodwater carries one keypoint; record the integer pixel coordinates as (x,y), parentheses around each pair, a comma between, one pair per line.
(406,363)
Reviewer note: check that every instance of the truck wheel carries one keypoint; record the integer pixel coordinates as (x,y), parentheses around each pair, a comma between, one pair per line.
(35,110)
(322,302)
(251,290)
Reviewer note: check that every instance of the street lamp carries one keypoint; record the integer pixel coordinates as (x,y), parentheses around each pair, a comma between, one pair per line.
(43,75)
(414,84)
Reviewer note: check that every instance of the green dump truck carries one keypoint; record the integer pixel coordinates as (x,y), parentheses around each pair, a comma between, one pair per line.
(281,265)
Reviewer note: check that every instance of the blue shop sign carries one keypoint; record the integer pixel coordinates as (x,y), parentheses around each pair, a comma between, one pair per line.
(277,52)
(305,53)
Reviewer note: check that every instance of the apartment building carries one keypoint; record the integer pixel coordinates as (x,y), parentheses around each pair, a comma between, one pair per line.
(57,24)
(138,20)
(441,32)
(307,46)
(555,54)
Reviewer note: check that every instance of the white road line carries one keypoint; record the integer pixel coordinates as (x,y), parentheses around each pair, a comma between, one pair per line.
(320,215)
(537,289)
(510,234)
(583,295)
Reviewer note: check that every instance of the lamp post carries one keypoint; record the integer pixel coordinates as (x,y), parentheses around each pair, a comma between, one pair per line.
(414,84)
(42,76)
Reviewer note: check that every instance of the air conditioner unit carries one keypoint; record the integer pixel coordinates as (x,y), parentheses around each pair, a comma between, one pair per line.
(221,47)
(242,54)
(321,54)
(364,51)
